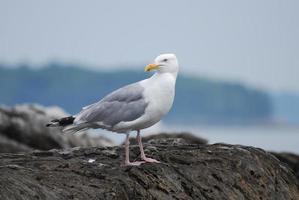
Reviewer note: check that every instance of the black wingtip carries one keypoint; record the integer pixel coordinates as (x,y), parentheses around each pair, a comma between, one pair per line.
(61,122)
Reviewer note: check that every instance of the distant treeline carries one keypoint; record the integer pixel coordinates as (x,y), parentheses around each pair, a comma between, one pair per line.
(198,100)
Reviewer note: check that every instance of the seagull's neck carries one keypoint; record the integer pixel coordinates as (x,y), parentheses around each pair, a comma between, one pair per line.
(163,75)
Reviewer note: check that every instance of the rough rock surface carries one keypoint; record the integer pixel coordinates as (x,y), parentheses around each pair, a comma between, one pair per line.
(22,128)
(216,171)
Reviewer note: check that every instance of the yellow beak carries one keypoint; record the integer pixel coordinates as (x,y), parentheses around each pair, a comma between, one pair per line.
(151,67)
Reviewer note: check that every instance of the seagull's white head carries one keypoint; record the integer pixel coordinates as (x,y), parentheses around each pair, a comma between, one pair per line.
(164,63)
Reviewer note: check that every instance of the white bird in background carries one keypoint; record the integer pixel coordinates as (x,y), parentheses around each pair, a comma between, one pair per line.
(131,108)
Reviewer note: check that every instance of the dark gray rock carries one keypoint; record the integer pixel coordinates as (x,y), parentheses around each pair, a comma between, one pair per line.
(292,160)
(218,171)
(171,138)
(23,128)
(11,146)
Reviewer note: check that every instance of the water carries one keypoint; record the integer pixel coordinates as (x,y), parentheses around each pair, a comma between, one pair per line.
(272,138)
(277,138)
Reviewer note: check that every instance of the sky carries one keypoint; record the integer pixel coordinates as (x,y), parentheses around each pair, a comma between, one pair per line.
(252,41)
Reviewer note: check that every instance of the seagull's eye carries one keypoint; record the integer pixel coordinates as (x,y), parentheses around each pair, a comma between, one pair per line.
(165,60)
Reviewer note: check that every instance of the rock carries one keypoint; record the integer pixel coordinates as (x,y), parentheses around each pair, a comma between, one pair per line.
(218,171)
(25,125)
(292,160)
(174,138)
(11,146)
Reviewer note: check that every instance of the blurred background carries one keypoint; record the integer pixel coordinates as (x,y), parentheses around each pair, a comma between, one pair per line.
(239,61)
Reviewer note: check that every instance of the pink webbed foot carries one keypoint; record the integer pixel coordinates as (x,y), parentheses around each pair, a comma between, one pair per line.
(136,163)
(150,160)
(143,157)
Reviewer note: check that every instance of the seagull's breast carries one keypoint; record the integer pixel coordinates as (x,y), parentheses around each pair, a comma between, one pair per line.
(159,93)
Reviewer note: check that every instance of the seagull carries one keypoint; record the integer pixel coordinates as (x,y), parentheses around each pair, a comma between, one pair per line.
(131,108)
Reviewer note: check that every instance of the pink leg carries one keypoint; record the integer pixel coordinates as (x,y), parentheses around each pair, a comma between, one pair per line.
(127,156)
(142,154)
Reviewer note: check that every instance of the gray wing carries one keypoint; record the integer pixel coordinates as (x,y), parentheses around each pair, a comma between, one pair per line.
(124,104)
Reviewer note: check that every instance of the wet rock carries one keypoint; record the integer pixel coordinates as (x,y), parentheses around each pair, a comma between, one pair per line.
(193,171)
(23,128)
